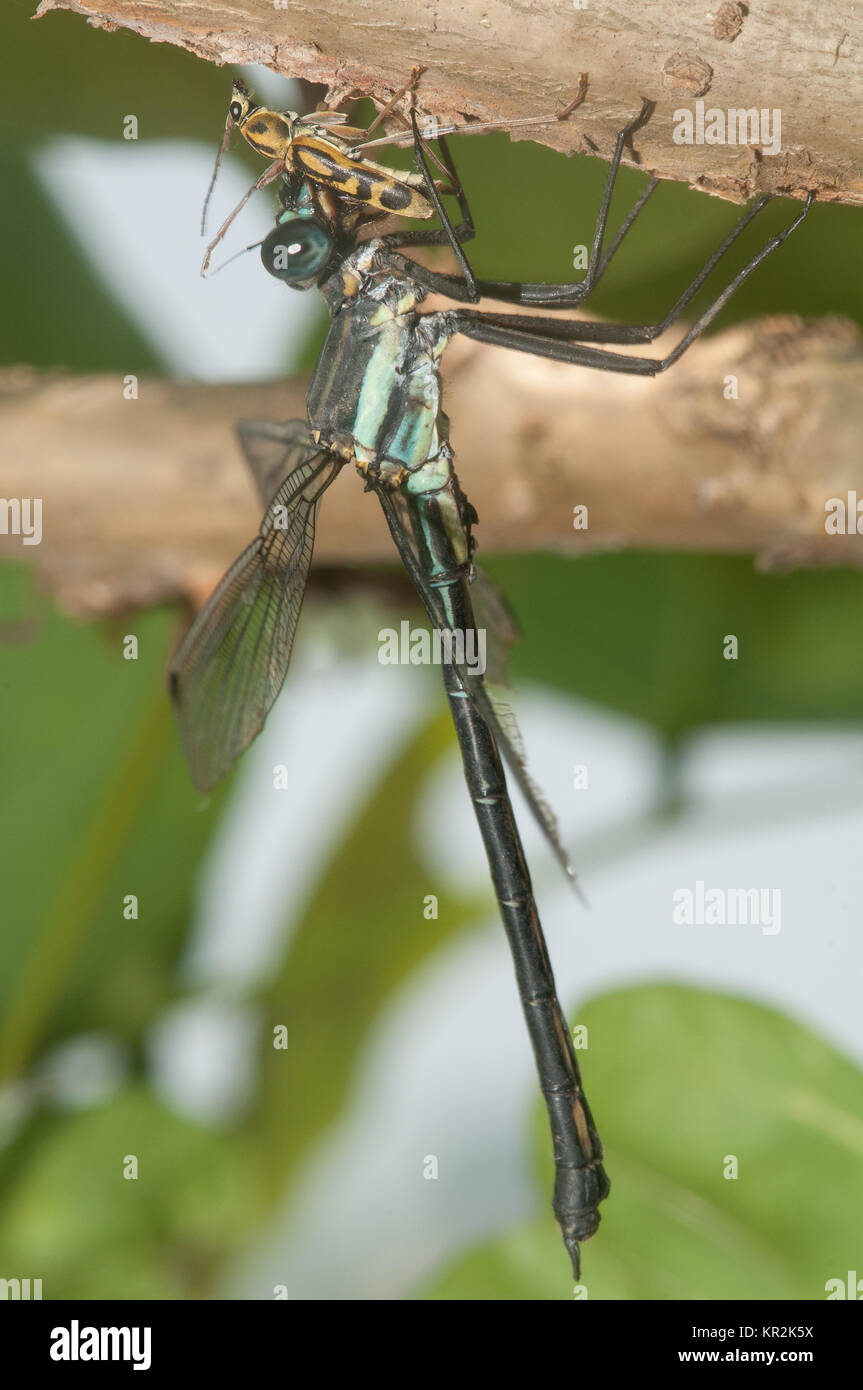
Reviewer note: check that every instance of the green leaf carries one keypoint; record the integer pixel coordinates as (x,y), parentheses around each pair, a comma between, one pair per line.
(102,808)
(73,1218)
(643,633)
(679,1080)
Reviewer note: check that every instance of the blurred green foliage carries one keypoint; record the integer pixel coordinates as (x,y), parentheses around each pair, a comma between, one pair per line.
(750,1083)
(97,799)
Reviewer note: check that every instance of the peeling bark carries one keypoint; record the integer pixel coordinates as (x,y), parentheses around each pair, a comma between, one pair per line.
(501,60)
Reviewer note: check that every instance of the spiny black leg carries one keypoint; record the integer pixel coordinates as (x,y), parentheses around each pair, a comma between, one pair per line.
(472,294)
(545,345)
(465,231)
(537,295)
(710,314)
(547,338)
(601,266)
(625,135)
(567,330)
(566,296)
(542,295)
(428,239)
(549,296)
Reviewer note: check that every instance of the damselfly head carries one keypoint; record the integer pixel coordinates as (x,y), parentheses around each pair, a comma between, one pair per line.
(297,250)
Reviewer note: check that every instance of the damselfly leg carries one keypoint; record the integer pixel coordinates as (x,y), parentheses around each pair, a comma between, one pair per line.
(560,340)
(544,331)
(455,236)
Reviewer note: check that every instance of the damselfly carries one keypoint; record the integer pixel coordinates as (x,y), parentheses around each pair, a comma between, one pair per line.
(375,401)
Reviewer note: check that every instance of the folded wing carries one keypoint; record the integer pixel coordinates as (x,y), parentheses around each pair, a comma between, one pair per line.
(232,663)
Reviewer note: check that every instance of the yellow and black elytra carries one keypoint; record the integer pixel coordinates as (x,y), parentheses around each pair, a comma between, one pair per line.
(321,148)
(318,147)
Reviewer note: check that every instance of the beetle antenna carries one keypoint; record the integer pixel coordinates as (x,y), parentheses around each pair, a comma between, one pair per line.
(235,257)
(229,126)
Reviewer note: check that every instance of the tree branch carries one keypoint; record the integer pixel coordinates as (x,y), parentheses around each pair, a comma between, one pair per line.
(502,60)
(147,499)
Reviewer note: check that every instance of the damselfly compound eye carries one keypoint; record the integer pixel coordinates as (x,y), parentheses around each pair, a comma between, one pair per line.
(296,249)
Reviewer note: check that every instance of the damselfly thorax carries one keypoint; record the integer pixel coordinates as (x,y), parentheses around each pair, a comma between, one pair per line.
(375,395)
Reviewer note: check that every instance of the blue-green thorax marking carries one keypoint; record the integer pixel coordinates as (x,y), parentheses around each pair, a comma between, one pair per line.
(376,393)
